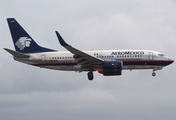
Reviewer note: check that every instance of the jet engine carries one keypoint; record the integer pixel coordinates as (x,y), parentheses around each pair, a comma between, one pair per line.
(111,68)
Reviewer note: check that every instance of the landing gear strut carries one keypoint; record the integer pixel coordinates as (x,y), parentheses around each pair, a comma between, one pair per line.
(90,75)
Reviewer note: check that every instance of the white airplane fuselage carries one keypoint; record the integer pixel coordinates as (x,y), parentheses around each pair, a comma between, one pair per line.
(132,59)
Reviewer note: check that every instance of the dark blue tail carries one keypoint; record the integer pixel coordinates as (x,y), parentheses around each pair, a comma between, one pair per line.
(23,42)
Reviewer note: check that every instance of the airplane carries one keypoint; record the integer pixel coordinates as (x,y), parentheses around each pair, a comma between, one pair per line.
(106,62)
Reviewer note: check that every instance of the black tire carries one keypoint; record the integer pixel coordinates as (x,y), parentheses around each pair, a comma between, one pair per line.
(153,74)
(90,75)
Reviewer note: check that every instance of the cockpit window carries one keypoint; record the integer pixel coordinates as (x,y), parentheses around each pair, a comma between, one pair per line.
(161,55)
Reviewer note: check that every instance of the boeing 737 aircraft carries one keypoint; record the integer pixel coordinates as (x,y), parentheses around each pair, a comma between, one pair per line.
(106,62)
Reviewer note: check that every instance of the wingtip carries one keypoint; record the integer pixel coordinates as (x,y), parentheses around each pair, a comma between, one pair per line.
(61,40)
(57,33)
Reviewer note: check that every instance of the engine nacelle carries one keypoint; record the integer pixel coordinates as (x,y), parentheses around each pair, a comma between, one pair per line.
(112,68)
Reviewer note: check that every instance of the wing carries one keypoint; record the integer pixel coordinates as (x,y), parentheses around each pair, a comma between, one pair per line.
(84,59)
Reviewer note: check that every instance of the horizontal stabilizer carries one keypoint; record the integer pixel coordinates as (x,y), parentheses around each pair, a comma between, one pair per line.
(16,54)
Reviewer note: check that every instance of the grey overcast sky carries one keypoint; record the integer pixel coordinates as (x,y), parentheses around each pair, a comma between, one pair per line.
(31,93)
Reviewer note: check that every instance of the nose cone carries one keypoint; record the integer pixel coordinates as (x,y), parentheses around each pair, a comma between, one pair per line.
(170,61)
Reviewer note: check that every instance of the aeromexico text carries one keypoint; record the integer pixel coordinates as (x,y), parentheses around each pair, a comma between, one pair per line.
(128,53)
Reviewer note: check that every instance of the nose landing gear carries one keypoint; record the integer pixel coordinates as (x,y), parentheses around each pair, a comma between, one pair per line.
(90,75)
(153,74)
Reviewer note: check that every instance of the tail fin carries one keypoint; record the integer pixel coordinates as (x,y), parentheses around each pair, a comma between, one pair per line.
(23,42)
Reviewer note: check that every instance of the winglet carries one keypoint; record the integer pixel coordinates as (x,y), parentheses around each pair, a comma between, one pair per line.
(61,40)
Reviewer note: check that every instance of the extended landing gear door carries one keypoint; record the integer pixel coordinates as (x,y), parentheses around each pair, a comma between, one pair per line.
(150,56)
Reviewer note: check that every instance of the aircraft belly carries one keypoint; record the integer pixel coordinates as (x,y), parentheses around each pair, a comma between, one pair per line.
(130,67)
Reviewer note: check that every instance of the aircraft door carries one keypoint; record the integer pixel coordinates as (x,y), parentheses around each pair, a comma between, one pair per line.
(43,57)
(150,56)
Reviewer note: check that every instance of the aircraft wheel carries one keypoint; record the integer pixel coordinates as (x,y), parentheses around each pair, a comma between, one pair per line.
(153,74)
(90,75)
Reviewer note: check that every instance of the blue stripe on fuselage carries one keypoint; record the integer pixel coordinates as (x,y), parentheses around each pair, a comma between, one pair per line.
(125,62)
(148,62)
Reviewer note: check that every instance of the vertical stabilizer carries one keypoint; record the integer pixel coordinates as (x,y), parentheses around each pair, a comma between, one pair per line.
(23,42)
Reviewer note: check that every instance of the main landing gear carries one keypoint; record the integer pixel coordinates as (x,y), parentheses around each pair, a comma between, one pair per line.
(90,75)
